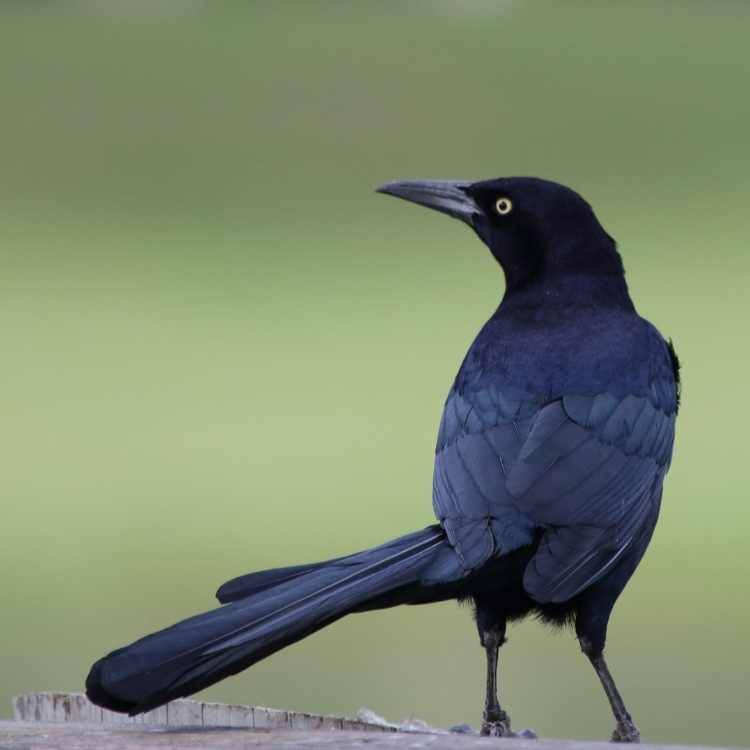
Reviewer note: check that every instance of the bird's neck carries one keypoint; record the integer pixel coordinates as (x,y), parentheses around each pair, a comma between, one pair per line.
(569,270)
(572,290)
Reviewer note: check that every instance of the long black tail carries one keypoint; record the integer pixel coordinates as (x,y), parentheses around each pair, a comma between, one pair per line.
(267,611)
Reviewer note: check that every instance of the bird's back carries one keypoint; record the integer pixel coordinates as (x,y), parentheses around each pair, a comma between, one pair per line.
(561,420)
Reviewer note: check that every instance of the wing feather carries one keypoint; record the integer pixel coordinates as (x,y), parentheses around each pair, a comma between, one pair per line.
(589,474)
(585,469)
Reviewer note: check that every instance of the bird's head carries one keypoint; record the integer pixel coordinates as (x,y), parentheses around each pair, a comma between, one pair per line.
(539,231)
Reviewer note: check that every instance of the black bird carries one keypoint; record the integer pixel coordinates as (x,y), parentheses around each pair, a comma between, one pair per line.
(551,454)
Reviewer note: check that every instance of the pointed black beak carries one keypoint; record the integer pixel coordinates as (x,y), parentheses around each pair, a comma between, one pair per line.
(448,196)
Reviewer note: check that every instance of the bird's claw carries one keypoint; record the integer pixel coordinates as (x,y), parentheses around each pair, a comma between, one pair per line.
(502,729)
(626,732)
(496,729)
(498,725)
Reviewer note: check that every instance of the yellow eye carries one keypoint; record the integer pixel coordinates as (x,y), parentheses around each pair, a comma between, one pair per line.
(503,206)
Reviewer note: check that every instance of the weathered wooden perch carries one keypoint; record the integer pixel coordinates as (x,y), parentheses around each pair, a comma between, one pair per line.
(75,707)
(52,721)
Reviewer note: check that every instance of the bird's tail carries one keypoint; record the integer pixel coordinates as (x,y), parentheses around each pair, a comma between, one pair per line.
(268,610)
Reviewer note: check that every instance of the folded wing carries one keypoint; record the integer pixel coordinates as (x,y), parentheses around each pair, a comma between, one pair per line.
(590,473)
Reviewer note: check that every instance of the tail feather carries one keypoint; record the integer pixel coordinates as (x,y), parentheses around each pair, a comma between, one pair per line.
(266,612)
(261,580)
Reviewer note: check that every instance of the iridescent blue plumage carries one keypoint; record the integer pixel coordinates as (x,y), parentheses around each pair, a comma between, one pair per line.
(571,440)
(551,454)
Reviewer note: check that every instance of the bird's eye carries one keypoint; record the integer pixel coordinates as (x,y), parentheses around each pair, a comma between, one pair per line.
(503,206)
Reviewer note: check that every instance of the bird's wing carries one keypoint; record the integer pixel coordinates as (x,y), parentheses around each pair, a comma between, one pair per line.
(589,473)
(585,470)
(480,437)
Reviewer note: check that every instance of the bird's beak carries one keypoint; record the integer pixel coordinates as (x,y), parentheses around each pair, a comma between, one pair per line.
(448,196)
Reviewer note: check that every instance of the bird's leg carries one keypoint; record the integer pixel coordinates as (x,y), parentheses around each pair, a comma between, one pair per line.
(495,722)
(626,730)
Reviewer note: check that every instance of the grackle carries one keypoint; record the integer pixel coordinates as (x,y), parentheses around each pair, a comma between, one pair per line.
(551,454)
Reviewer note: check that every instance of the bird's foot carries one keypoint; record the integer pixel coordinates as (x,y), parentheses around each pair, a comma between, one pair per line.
(626,731)
(496,729)
(500,729)
(496,723)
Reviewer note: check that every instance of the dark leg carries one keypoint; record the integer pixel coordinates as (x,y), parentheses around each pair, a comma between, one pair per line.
(626,730)
(592,632)
(592,617)
(495,722)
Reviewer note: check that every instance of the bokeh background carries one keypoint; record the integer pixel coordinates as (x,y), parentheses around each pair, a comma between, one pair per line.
(221,351)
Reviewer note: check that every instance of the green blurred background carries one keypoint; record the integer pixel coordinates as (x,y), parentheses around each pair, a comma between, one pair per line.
(221,351)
